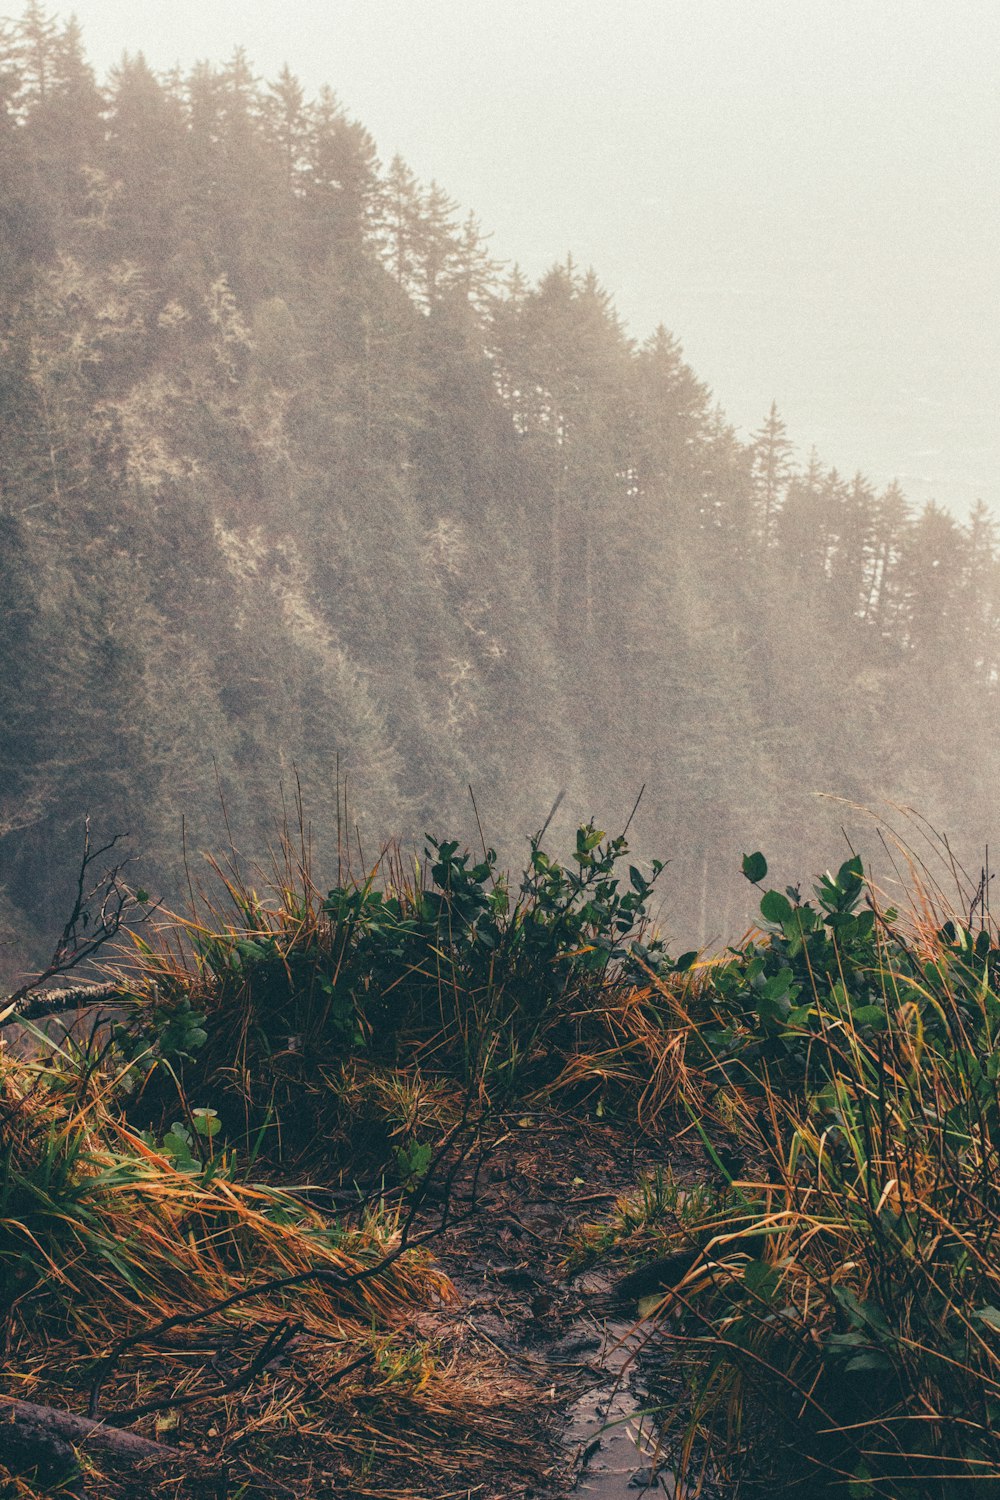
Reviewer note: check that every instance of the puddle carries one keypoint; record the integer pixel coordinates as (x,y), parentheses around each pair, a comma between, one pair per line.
(613,1443)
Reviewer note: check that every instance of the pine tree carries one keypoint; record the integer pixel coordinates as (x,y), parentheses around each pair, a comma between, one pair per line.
(145,153)
(670,418)
(287,121)
(981,593)
(852,561)
(891,524)
(60,106)
(400,227)
(343,196)
(771,453)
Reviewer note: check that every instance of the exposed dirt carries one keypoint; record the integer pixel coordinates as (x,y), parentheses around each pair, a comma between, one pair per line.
(569,1337)
(546,1357)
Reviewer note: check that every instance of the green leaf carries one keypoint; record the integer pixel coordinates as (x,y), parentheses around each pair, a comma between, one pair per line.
(837,1343)
(775,907)
(871,1360)
(761,1280)
(861,1314)
(206,1122)
(779,986)
(990,1316)
(754,867)
(177,1145)
(858,1488)
(869,1015)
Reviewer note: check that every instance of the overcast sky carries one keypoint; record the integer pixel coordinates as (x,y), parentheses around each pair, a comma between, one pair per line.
(805,192)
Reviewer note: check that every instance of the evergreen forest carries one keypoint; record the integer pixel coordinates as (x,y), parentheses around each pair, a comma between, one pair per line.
(300,479)
(412,1142)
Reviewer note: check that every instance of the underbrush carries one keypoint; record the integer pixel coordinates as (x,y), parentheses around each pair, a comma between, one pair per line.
(818,1258)
(151,1272)
(132,1284)
(294,1007)
(837,1302)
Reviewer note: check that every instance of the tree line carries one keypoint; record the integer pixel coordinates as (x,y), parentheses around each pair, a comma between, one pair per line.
(299,479)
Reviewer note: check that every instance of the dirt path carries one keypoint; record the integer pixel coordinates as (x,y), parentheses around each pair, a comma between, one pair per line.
(568,1337)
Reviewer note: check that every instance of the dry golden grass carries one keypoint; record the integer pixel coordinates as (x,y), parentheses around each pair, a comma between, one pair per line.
(104,1241)
(842,1305)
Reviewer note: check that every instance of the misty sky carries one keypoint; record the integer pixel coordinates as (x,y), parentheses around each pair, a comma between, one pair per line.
(805,193)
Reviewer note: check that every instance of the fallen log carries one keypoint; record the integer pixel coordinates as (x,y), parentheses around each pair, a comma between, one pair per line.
(73,1429)
(28,1449)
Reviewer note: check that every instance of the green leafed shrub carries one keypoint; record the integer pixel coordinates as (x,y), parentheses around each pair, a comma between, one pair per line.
(276,991)
(847,1292)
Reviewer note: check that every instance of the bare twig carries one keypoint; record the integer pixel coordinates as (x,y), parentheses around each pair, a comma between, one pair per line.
(100,907)
(274,1345)
(635,809)
(340,1281)
(552,812)
(52,1002)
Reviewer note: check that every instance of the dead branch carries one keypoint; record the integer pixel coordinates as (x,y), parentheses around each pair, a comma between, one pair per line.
(100,907)
(53,1002)
(274,1345)
(341,1281)
(124,1445)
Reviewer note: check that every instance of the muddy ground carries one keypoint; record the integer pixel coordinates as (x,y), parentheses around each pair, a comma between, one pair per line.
(550,1355)
(568,1335)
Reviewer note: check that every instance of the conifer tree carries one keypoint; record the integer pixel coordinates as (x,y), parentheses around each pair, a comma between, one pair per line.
(771,451)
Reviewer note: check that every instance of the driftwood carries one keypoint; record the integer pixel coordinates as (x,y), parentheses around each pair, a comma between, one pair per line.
(49,1421)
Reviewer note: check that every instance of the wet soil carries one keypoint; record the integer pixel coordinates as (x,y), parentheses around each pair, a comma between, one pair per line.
(564,1345)
(571,1337)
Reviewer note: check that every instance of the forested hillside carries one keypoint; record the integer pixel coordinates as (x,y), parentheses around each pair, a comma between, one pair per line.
(294,471)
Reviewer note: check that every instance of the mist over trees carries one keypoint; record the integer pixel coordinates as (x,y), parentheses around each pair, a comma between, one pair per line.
(295,474)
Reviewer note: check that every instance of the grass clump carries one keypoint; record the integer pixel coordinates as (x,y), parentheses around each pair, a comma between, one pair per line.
(99,1228)
(166,1294)
(365,1031)
(847,1286)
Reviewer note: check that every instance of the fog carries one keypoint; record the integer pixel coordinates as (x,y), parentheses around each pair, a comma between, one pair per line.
(804,193)
(303,480)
